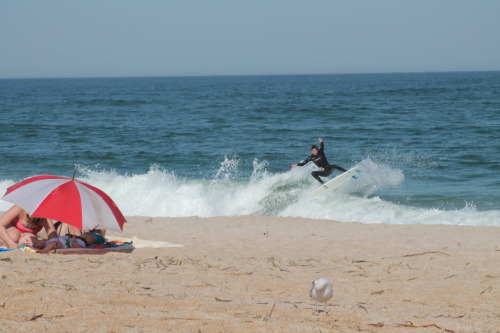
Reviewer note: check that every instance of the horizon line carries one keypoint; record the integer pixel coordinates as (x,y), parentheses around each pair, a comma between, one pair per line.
(242,75)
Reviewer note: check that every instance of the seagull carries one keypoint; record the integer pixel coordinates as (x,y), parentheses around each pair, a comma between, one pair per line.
(321,290)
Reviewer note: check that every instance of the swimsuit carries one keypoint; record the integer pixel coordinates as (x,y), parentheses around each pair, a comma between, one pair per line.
(21,228)
(66,241)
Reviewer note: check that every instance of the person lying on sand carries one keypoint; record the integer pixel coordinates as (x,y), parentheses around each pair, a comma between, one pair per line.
(17,221)
(70,241)
(31,240)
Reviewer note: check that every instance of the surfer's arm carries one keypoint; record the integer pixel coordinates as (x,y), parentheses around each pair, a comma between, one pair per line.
(303,162)
(321,146)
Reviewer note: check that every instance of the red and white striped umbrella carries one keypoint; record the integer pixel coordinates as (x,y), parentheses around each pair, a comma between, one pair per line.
(67,200)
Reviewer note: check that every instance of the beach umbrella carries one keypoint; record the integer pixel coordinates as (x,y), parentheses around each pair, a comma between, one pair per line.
(67,200)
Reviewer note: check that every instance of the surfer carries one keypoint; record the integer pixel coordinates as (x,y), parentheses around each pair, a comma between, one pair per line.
(319,158)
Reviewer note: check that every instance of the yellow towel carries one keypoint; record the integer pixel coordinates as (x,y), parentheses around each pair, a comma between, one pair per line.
(27,249)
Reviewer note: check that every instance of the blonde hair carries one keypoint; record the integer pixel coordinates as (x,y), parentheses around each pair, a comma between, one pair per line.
(33,221)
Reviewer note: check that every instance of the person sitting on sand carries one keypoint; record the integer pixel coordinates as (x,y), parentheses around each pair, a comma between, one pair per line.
(70,241)
(16,221)
(64,228)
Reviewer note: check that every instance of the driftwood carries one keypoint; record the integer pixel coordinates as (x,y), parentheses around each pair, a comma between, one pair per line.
(270,313)
(423,253)
(410,324)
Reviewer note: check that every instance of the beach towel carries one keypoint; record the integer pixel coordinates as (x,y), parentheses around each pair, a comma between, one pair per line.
(143,243)
(97,249)
(24,248)
(5,249)
(115,244)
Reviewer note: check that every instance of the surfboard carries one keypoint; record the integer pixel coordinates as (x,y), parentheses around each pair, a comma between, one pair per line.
(351,174)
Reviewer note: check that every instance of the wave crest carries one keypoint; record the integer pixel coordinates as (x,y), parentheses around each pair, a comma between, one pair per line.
(160,192)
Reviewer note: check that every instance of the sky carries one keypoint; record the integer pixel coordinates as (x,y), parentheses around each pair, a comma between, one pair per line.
(120,38)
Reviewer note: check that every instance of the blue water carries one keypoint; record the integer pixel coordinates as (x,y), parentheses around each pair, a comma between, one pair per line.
(429,143)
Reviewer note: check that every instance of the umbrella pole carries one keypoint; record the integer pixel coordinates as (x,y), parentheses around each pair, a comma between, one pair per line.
(58,233)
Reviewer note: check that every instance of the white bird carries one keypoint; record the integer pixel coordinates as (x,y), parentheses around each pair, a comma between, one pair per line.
(321,290)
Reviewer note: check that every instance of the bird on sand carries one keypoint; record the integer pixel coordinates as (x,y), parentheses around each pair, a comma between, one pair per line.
(321,290)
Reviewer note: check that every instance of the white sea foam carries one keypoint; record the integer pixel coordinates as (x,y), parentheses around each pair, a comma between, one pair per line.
(160,192)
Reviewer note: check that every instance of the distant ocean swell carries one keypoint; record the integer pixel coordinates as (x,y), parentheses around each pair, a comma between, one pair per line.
(428,143)
(161,192)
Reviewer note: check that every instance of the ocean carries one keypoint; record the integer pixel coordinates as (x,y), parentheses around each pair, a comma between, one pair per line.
(428,143)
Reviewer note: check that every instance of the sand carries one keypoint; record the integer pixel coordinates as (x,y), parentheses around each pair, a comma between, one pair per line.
(253,274)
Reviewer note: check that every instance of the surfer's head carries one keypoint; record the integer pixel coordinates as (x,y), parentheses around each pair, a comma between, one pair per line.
(314,150)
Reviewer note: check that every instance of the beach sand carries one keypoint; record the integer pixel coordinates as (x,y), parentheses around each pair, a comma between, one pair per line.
(253,274)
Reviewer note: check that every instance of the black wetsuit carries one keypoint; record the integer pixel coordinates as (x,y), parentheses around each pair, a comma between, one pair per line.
(321,161)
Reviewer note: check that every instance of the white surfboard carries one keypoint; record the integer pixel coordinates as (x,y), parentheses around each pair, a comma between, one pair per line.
(351,174)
